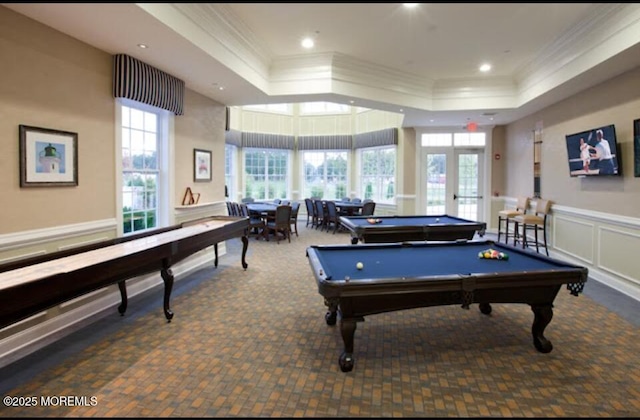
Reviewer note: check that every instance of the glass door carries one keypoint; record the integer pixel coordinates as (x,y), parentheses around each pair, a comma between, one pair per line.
(452,182)
(468,192)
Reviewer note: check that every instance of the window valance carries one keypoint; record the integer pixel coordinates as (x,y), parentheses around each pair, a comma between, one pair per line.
(385,137)
(337,142)
(136,80)
(233,137)
(268,141)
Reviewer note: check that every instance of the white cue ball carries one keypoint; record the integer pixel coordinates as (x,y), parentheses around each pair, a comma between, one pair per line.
(359,266)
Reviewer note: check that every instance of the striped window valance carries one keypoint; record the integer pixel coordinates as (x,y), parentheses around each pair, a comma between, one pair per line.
(385,137)
(233,137)
(336,142)
(136,80)
(268,141)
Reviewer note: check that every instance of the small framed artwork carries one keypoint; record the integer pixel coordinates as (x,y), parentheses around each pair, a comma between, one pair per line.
(636,148)
(201,165)
(48,158)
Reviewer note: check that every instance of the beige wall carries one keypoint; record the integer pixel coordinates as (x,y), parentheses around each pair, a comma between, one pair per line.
(201,127)
(50,80)
(616,101)
(53,81)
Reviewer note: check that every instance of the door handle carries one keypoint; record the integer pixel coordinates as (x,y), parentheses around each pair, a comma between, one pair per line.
(455,196)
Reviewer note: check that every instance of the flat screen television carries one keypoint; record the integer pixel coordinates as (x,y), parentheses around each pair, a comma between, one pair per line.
(594,152)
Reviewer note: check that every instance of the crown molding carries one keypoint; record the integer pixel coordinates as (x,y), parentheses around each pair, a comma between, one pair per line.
(215,29)
(611,29)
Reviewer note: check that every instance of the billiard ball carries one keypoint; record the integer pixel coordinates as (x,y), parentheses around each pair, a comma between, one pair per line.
(437,220)
(359,266)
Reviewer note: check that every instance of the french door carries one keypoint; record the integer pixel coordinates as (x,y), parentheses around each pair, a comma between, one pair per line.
(452,182)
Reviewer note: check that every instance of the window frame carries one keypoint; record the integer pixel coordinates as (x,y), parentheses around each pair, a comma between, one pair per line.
(246,175)
(164,149)
(361,188)
(301,156)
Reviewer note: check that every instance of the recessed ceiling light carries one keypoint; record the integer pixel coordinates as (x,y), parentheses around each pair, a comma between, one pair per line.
(308,43)
(142,46)
(485,67)
(410,5)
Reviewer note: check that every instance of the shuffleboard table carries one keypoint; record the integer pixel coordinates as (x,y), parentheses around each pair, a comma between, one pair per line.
(36,284)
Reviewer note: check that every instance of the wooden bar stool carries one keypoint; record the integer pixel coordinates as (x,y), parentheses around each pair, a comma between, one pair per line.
(506,216)
(535,222)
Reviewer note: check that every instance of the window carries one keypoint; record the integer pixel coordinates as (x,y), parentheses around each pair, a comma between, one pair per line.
(377,173)
(307,108)
(275,108)
(266,173)
(230,154)
(469,139)
(475,139)
(143,144)
(325,174)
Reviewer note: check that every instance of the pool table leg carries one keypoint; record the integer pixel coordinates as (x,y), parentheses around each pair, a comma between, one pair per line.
(485,308)
(332,314)
(542,318)
(347,329)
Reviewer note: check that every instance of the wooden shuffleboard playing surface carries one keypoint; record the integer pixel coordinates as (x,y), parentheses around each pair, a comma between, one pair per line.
(37,284)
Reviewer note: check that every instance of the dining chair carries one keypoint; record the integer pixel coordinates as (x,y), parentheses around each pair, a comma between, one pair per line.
(256,224)
(281,223)
(368,208)
(332,216)
(311,212)
(295,207)
(320,213)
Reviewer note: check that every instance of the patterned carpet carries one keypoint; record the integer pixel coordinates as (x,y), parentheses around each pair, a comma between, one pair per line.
(255,344)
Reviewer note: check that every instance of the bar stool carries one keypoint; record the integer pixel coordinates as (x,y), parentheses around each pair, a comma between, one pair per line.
(535,222)
(506,216)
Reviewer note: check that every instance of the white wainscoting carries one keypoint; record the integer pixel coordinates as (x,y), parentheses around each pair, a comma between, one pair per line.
(607,244)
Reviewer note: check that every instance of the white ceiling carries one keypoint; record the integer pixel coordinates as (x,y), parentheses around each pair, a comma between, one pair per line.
(378,55)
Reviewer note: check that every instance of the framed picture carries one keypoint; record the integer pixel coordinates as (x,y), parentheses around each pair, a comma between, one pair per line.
(636,148)
(201,165)
(48,158)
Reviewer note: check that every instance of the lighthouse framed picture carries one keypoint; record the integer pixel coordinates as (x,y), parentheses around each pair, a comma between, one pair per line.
(48,158)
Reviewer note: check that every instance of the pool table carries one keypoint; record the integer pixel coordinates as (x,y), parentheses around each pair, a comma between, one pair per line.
(410,228)
(397,276)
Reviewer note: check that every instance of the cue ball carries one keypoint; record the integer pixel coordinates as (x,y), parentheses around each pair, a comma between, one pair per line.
(437,220)
(359,266)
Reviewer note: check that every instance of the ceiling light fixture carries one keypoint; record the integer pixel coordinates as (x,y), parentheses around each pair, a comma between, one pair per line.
(485,67)
(143,46)
(308,43)
(410,5)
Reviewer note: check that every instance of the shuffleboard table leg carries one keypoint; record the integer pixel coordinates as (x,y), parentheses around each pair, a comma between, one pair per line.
(245,245)
(542,318)
(167,276)
(123,297)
